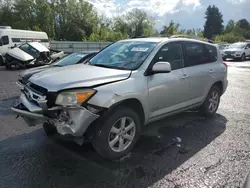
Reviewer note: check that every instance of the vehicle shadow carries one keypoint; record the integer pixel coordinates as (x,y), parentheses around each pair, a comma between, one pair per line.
(32,160)
(165,144)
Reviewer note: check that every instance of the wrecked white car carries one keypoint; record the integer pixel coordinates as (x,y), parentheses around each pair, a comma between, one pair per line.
(29,55)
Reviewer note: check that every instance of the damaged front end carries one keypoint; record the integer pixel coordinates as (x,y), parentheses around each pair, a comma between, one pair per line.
(37,106)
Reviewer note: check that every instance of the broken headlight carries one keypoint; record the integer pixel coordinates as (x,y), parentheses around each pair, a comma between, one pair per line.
(76,97)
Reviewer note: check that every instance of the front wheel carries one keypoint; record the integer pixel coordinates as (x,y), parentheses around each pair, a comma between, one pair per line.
(118,133)
(211,103)
(243,57)
(49,129)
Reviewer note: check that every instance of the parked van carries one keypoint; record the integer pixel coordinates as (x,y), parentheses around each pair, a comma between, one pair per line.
(11,37)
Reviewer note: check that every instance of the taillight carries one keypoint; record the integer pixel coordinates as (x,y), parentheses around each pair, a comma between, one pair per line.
(224,63)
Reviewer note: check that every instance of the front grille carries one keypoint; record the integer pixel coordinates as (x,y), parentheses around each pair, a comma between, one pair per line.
(50,96)
(229,52)
(38,89)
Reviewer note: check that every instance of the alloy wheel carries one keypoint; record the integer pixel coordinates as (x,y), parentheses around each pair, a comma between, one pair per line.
(122,134)
(213,101)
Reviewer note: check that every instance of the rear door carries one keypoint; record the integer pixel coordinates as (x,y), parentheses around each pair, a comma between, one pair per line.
(201,64)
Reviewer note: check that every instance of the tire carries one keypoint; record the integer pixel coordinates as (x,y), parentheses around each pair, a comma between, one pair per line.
(1,61)
(206,109)
(8,64)
(49,129)
(243,57)
(103,135)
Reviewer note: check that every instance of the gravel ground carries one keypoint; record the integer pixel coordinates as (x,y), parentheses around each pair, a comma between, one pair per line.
(213,152)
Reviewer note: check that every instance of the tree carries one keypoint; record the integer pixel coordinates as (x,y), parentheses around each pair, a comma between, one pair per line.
(6,16)
(243,24)
(214,22)
(230,26)
(171,29)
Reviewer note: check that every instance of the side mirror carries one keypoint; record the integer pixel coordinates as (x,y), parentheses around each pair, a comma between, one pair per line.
(160,67)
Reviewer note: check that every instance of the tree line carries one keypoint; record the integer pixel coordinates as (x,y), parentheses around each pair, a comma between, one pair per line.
(77,20)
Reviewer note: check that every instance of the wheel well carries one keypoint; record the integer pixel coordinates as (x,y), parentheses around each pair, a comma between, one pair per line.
(134,104)
(219,84)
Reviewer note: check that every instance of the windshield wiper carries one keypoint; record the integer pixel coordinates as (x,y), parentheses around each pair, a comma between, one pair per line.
(108,66)
(105,66)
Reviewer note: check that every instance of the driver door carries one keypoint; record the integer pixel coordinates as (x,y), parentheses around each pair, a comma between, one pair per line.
(5,44)
(168,91)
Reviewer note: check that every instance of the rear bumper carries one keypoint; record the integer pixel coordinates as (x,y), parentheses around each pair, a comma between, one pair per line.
(72,121)
(225,85)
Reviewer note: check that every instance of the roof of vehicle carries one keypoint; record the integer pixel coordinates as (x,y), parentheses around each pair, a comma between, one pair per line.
(164,39)
(40,47)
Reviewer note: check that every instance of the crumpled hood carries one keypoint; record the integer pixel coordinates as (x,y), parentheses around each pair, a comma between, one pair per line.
(20,54)
(77,76)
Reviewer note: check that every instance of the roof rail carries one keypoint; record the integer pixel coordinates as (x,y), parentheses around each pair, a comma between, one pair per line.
(191,37)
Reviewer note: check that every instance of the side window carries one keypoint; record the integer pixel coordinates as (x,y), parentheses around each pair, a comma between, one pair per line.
(248,46)
(195,54)
(5,40)
(171,53)
(212,53)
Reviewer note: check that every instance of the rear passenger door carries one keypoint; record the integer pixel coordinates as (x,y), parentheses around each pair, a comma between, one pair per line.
(201,62)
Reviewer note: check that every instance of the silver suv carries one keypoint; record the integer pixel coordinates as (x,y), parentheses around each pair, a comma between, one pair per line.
(124,87)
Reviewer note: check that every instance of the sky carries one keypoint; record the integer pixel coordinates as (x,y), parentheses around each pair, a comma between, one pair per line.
(188,13)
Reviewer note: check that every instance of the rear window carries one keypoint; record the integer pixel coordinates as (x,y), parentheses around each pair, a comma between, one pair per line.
(195,54)
(212,53)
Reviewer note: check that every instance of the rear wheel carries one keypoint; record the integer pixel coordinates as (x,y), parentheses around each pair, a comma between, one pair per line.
(211,103)
(243,57)
(118,133)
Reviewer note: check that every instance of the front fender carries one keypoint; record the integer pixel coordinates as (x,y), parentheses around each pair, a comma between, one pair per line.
(115,93)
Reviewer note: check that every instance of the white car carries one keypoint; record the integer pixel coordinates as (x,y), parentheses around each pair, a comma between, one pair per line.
(239,51)
(30,54)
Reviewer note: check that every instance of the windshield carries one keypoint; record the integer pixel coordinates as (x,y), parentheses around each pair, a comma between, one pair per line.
(128,55)
(221,47)
(238,45)
(69,60)
(29,50)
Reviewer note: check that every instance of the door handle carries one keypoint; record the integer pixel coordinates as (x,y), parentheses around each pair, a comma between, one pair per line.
(184,76)
(211,70)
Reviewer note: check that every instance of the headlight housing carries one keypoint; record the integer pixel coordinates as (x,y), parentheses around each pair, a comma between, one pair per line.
(238,52)
(74,97)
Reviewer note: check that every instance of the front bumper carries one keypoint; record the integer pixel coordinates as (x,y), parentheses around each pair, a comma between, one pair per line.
(72,121)
(20,84)
(232,56)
